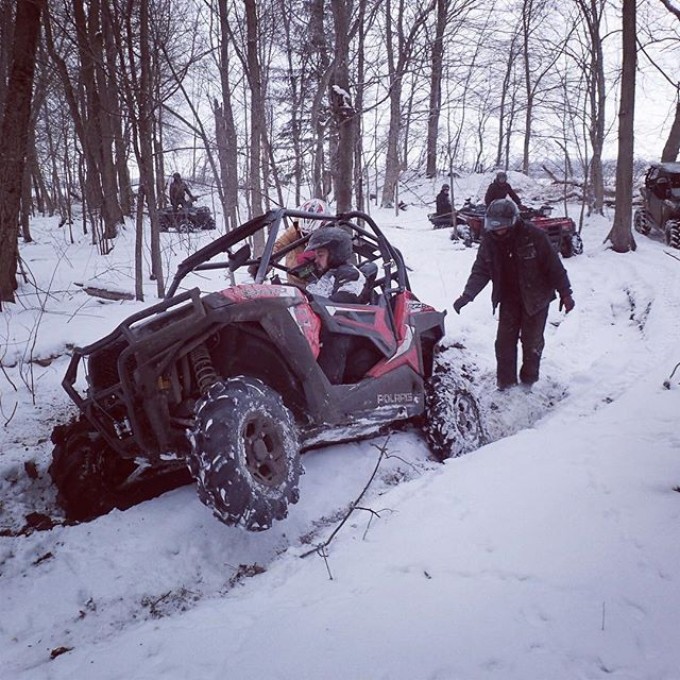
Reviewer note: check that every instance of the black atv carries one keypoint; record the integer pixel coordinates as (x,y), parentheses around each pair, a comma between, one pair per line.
(661,203)
(227,383)
(186,220)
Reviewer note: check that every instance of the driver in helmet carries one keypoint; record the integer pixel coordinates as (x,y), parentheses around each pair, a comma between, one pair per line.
(525,271)
(500,188)
(339,281)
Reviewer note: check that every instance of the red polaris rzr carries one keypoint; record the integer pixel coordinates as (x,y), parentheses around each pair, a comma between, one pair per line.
(227,384)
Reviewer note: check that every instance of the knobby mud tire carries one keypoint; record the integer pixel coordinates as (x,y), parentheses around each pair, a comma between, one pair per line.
(453,423)
(641,222)
(672,233)
(245,454)
(576,245)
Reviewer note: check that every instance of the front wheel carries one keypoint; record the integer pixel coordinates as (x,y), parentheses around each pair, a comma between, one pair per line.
(245,453)
(453,424)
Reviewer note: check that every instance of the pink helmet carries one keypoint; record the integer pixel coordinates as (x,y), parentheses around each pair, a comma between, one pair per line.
(314,205)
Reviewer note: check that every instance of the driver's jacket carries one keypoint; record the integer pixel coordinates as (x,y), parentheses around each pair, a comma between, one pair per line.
(340,284)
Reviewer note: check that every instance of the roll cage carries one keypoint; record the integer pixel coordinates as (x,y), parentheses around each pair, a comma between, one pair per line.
(369,244)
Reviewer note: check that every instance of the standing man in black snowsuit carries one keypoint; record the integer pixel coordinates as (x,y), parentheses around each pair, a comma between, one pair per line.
(500,188)
(443,201)
(525,271)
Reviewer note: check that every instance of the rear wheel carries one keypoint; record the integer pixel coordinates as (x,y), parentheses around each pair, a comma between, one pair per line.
(641,222)
(576,244)
(453,425)
(88,474)
(672,233)
(245,453)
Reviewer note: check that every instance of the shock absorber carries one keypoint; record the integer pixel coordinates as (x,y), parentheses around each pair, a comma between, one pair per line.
(203,368)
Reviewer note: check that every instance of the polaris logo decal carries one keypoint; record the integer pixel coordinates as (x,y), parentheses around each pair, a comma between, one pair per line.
(390,398)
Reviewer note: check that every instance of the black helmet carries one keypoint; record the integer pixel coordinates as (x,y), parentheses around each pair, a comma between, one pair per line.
(336,240)
(501,176)
(177,176)
(501,214)
(445,187)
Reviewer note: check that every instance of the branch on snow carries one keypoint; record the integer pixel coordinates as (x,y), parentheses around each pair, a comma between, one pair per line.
(321,548)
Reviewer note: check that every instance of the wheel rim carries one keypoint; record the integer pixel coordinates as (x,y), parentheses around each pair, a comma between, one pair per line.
(467,419)
(264,451)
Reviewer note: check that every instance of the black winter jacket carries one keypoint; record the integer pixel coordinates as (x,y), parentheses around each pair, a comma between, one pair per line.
(443,203)
(497,190)
(539,269)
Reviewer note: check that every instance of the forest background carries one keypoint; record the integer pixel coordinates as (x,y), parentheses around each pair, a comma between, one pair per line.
(269,102)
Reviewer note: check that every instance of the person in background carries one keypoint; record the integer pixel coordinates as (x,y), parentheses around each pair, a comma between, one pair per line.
(339,281)
(500,188)
(525,271)
(443,201)
(177,190)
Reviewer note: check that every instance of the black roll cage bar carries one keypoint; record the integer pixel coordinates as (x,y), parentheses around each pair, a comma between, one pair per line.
(393,262)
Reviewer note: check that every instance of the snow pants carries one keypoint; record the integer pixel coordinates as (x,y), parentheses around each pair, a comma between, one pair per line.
(514,324)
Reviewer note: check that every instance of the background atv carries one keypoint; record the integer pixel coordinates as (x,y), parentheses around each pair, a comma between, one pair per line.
(661,203)
(227,383)
(560,230)
(194,219)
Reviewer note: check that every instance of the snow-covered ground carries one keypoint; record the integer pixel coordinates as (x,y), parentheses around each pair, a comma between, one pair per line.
(553,552)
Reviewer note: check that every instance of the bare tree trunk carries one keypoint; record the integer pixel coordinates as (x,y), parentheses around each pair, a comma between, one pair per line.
(228,153)
(341,107)
(25,211)
(257,122)
(139,246)
(7,24)
(360,201)
(120,141)
(672,146)
(621,235)
(503,128)
(146,150)
(436,75)
(527,16)
(397,65)
(14,135)
(317,39)
(592,11)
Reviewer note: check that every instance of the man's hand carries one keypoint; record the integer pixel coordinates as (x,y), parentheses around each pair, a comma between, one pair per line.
(461,302)
(567,302)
